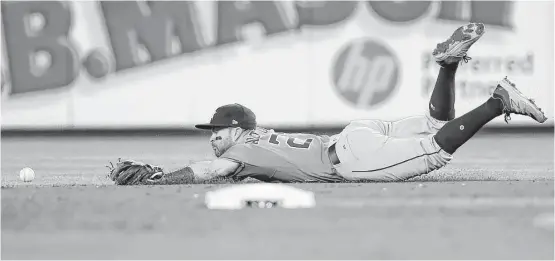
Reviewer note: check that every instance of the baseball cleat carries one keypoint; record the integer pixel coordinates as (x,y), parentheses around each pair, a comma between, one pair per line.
(454,49)
(515,102)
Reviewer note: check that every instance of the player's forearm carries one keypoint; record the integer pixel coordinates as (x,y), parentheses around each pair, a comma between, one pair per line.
(215,169)
(181,176)
(200,172)
(194,173)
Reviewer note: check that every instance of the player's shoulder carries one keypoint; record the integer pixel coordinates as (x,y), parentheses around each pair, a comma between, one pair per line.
(244,148)
(247,152)
(263,131)
(254,136)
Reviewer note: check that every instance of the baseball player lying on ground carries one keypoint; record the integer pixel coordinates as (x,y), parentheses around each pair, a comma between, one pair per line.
(366,150)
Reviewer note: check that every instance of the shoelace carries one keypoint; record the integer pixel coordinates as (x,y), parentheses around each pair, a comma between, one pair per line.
(505,111)
(507,117)
(517,106)
(465,59)
(517,111)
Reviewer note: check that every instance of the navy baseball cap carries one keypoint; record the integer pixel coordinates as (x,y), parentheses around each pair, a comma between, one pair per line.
(231,115)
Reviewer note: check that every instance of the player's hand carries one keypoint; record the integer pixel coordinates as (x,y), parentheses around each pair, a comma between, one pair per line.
(130,172)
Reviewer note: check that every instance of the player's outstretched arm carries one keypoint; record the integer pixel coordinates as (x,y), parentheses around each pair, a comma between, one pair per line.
(199,172)
(217,168)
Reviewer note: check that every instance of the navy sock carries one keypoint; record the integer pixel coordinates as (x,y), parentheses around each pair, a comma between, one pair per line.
(442,101)
(458,131)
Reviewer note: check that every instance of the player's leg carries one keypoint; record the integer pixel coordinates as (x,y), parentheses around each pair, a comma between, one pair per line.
(448,55)
(369,155)
(366,155)
(506,99)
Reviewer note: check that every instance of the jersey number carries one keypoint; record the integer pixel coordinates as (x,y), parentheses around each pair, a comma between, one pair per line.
(291,142)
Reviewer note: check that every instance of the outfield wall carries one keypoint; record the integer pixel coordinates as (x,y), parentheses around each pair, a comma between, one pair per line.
(307,64)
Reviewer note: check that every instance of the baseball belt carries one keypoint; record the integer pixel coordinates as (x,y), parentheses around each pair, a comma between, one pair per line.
(333,155)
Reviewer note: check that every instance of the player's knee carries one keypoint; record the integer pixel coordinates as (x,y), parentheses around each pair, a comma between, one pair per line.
(438,157)
(433,124)
(437,161)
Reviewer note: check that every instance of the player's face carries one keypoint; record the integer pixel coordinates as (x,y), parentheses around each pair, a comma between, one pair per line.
(221,140)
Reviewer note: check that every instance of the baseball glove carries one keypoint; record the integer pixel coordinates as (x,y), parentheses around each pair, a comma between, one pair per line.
(130,172)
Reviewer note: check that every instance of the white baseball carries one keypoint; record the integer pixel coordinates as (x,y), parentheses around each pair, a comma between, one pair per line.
(27,174)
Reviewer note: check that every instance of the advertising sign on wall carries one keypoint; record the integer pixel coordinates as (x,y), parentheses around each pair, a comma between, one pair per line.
(138,64)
